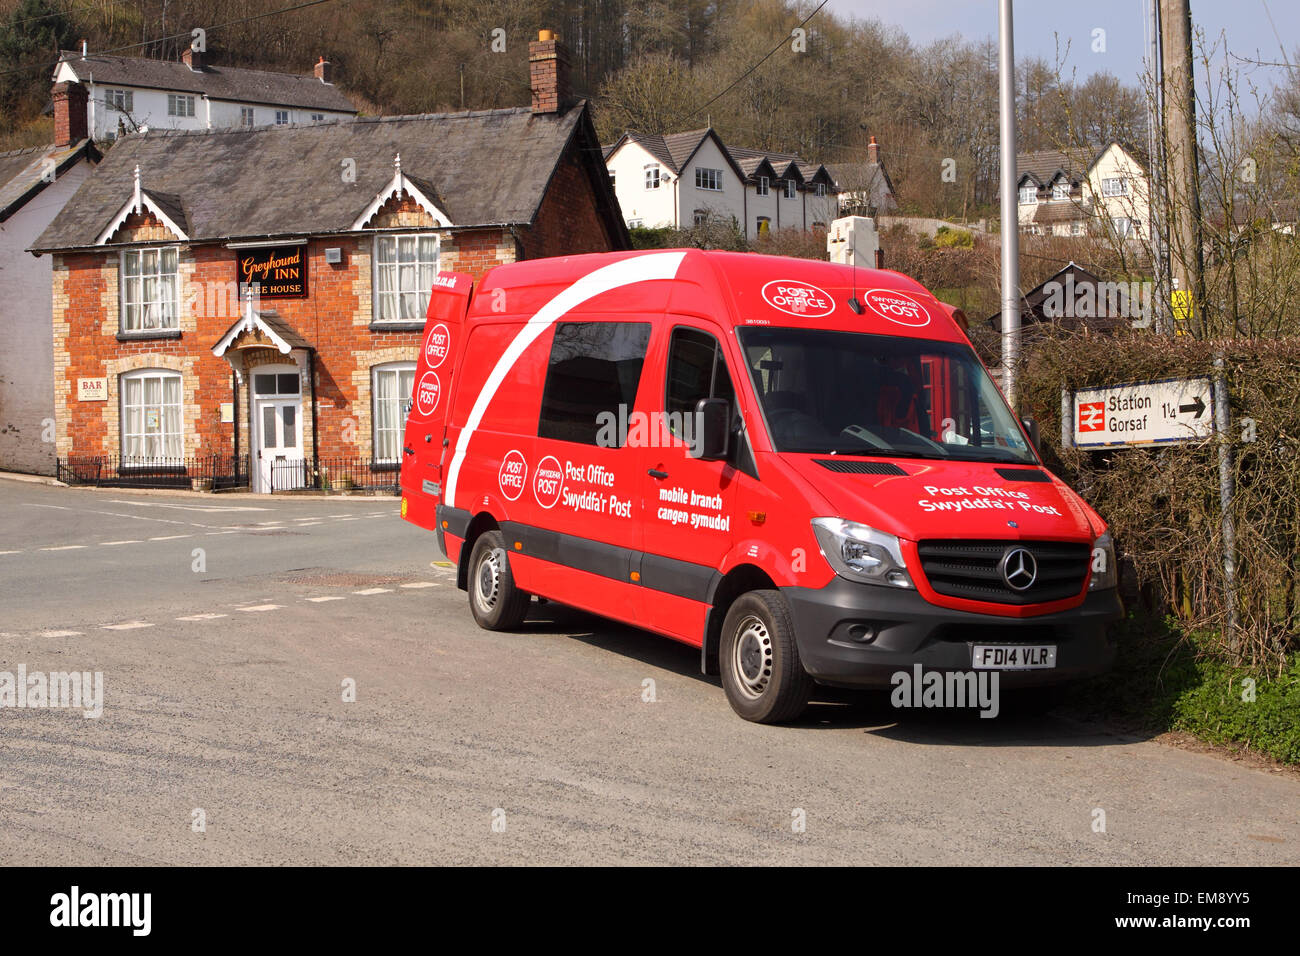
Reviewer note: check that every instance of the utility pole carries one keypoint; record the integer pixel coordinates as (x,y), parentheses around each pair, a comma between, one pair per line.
(1157,217)
(1182,172)
(1010,218)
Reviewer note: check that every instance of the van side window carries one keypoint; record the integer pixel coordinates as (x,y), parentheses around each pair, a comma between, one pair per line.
(696,370)
(595,368)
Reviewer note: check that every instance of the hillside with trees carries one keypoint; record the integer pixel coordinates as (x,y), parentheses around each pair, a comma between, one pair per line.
(650,65)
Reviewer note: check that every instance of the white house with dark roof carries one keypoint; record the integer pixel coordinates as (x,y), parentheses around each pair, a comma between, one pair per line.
(1081,192)
(123,94)
(678,180)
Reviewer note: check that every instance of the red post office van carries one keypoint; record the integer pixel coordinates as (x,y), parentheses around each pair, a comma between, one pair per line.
(801,468)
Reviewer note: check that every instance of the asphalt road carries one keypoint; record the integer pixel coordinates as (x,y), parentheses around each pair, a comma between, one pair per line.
(227,627)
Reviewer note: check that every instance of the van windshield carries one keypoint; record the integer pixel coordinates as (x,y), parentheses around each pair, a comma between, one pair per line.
(850,393)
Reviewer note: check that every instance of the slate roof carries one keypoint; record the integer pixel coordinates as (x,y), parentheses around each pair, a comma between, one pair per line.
(483,168)
(1047,213)
(870,178)
(217,82)
(21,171)
(1042,166)
(674,150)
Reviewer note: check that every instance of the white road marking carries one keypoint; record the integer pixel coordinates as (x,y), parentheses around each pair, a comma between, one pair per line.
(126,626)
(61,633)
(200,617)
(262,607)
(65,547)
(421,584)
(159,504)
(341,520)
(369,591)
(309,524)
(109,544)
(171,537)
(10,552)
(327,597)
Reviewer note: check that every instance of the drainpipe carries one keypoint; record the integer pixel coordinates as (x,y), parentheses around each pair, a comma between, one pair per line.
(315,438)
(234,404)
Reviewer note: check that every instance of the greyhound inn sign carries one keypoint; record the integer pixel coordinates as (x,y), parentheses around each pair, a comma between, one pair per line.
(279,271)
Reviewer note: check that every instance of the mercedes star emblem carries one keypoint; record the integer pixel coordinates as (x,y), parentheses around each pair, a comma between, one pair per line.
(1019,569)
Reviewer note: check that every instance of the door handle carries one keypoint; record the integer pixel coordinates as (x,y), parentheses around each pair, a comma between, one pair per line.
(656,473)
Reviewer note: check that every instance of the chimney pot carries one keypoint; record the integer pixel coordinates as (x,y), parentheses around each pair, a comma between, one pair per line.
(548,70)
(873,151)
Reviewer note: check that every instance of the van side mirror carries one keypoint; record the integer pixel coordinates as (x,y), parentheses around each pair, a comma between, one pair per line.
(712,429)
(1031,429)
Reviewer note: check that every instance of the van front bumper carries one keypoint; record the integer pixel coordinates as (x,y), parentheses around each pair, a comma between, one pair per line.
(832,626)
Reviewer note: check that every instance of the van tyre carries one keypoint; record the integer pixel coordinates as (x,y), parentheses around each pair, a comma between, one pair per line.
(494,600)
(761,671)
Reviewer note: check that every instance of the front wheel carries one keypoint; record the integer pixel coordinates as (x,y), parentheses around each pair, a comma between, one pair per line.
(761,671)
(495,601)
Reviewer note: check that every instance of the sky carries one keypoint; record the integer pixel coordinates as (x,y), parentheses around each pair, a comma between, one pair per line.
(1244,24)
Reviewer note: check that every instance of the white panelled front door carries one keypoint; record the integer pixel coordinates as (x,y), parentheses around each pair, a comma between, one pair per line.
(277,427)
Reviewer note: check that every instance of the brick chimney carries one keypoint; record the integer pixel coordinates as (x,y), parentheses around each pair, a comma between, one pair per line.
(70,121)
(873,151)
(324,70)
(548,73)
(193,59)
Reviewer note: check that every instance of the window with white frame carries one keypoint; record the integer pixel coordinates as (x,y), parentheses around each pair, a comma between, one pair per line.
(318,117)
(762,186)
(1077,229)
(819,189)
(1060,190)
(150,294)
(1028,195)
(652,176)
(392,386)
(121,100)
(281,117)
(151,417)
(404,271)
(1114,186)
(789,186)
(1123,226)
(708,178)
(180,105)
(246,116)
(635,223)
(700,217)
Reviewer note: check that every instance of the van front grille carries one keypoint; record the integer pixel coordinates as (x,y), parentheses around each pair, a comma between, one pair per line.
(974,570)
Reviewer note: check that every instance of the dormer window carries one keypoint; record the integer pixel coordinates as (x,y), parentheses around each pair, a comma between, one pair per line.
(789,187)
(1060,190)
(819,189)
(762,189)
(1029,195)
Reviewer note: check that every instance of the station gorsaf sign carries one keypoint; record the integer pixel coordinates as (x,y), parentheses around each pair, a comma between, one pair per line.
(1143,413)
(280,271)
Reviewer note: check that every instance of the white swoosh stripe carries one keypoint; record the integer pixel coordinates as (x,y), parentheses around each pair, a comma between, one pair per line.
(659,265)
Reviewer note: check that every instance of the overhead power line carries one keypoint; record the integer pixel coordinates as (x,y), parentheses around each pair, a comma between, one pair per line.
(782,42)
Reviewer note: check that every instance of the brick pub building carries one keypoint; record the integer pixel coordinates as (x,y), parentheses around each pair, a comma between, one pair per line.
(246,306)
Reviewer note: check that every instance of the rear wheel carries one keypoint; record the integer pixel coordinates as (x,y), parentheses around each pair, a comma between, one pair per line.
(761,671)
(494,600)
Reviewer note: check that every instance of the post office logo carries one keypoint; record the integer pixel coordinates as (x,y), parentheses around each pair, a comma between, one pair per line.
(897,307)
(427,393)
(436,345)
(513,474)
(798,298)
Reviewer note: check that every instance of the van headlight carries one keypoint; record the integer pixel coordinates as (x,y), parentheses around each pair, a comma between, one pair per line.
(861,553)
(1104,573)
